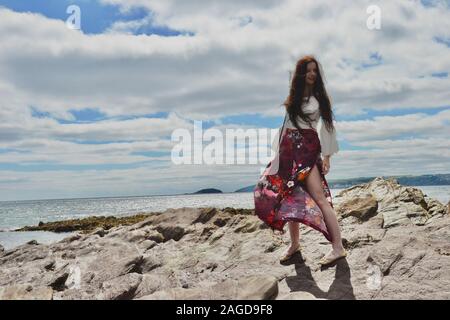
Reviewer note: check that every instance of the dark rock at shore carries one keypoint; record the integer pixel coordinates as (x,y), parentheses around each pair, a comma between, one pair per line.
(397,238)
(86,224)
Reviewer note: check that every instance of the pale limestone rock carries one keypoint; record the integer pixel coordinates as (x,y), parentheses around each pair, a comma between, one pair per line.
(25,292)
(398,242)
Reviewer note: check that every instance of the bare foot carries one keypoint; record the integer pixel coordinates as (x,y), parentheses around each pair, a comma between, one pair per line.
(292,249)
(333,255)
(290,253)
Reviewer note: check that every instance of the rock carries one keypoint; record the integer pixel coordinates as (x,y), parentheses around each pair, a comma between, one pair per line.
(151,283)
(397,204)
(24,254)
(298,295)
(169,231)
(120,288)
(247,226)
(256,288)
(111,265)
(410,194)
(385,256)
(70,255)
(100,232)
(205,215)
(221,221)
(362,237)
(135,236)
(155,236)
(250,288)
(216,235)
(148,244)
(238,211)
(146,222)
(58,281)
(85,225)
(405,213)
(363,207)
(177,294)
(149,263)
(71,238)
(398,242)
(25,292)
(434,207)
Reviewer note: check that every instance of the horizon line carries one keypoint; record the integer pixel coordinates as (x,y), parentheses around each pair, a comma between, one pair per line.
(195,193)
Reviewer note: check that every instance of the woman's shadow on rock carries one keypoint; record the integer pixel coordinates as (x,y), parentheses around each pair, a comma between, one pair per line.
(341,288)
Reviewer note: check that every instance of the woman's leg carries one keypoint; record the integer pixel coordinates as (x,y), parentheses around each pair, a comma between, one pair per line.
(313,184)
(294,233)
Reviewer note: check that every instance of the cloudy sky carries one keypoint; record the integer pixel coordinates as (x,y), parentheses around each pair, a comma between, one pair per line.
(90,112)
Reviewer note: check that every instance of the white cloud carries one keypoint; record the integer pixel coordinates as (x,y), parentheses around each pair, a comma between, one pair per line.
(236,62)
(223,69)
(384,127)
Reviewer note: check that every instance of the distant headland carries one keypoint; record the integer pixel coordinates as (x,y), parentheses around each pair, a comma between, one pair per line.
(208,190)
(407,180)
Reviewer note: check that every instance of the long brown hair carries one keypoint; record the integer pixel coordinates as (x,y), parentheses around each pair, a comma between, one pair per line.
(293,102)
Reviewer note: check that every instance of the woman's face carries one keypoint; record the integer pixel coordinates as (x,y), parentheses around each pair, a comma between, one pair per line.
(311,73)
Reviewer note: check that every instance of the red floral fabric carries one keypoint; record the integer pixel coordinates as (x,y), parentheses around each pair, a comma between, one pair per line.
(281,195)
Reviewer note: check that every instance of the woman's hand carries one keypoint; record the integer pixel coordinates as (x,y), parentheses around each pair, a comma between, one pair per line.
(326,164)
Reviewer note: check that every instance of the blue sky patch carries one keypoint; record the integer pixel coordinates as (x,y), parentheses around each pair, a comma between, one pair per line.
(87,115)
(375,60)
(151,153)
(440,75)
(371,114)
(255,120)
(156,115)
(44,166)
(433,3)
(442,40)
(90,115)
(36,113)
(96,17)
(7,150)
(345,145)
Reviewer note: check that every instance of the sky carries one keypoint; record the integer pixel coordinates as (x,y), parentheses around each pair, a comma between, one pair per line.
(90,112)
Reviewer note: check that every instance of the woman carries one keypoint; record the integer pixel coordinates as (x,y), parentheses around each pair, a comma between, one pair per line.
(293,187)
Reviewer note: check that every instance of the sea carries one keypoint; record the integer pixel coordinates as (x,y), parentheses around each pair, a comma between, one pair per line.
(16,214)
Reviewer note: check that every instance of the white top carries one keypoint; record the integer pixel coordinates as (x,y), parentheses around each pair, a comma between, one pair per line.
(328,141)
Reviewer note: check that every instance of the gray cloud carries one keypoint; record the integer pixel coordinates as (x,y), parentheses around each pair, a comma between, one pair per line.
(225,68)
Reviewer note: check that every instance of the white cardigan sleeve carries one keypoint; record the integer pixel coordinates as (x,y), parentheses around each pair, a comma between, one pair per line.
(275,163)
(275,145)
(328,141)
(276,140)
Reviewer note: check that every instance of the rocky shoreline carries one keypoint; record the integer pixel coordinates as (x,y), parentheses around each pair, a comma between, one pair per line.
(398,241)
(87,225)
